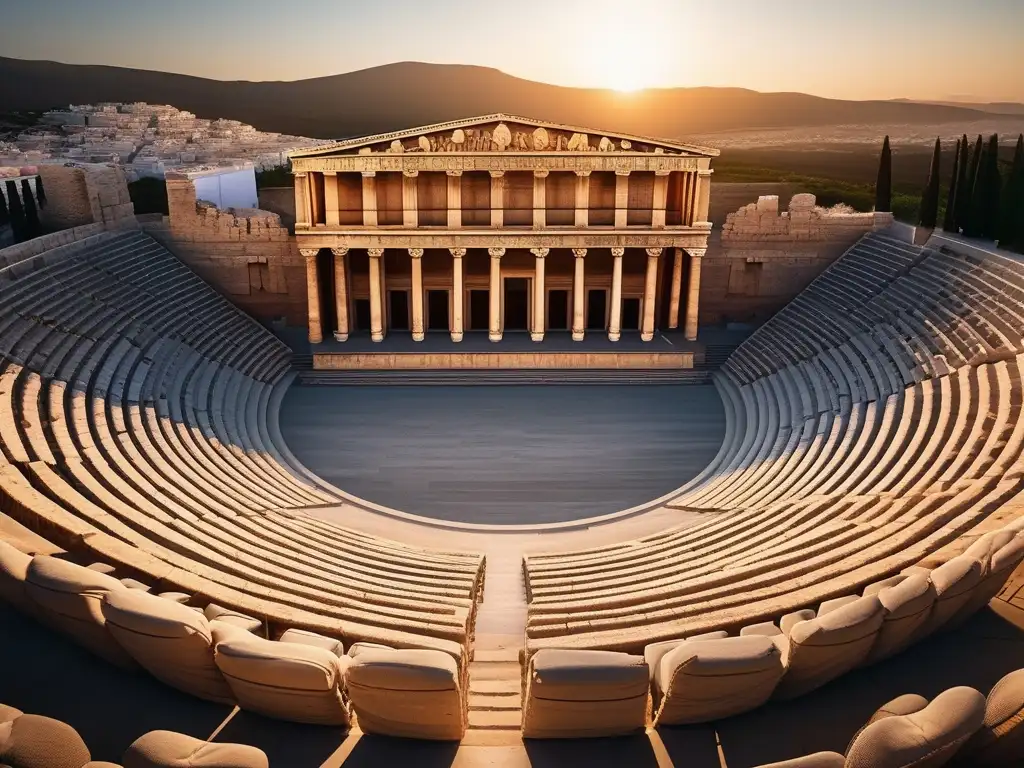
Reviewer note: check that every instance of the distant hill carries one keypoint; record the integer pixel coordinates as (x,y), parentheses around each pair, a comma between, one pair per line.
(993,107)
(408,94)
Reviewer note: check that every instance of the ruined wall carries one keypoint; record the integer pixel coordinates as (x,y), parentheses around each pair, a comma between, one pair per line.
(762,257)
(245,253)
(80,195)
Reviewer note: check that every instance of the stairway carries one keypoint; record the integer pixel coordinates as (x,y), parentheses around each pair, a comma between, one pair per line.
(477,377)
(302,362)
(495,698)
(715,356)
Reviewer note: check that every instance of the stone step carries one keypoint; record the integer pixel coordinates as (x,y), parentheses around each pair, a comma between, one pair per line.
(495,719)
(503,670)
(502,687)
(489,655)
(504,377)
(494,703)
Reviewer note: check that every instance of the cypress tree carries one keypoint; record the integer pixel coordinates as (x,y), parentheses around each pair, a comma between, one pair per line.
(17,212)
(1011,226)
(991,185)
(32,227)
(963,190)
(949,220)
(883,185)
(40,192)
(5,216)
(928,214)
(971,223)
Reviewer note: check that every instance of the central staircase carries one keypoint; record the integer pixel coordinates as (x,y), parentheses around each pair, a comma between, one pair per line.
(503,377)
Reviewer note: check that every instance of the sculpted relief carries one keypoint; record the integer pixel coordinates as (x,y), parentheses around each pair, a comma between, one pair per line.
(501,138)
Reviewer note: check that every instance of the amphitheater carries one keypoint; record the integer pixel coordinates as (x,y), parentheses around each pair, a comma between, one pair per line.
(838,586)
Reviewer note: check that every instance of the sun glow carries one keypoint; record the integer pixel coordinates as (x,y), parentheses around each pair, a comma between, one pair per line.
(622,53)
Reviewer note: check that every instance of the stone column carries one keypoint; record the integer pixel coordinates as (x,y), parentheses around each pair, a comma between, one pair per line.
(660,198)
(497,198)
(454,199)
(410,199)
(650,288)
(340,293)
(417,293)
(615,321)
(369,198)
(495,293)
(376,299)
(457,292)
(578,296)
(693,294)
(703,199)
(582,198)
(540,195)
(677,279)
(302,213)
(331,204)
(621,199)
(313,295)
(538,325)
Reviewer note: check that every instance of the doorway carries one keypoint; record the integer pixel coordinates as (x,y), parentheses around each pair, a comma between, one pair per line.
(437,310)
(398,310)
(597,309)
(558,310)
(362,314)
(479,310)
(517,304)
(631,314)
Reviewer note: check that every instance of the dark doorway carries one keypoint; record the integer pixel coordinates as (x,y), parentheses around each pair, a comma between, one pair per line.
(597,305)
(479,310)
(558,310)
(362,311)
(631,314)
(398,310)
(517,303)
(437,310)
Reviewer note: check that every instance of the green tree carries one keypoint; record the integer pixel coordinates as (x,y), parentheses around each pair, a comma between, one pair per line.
(963,189)
(949,220)
(32,226)
(928,214)
(40,192)
(971,223)
(883,185)
(17,211)
(990,186)
(5,215)
(1011,226)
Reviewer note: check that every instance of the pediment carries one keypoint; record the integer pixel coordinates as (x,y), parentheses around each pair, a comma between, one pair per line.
(503,133)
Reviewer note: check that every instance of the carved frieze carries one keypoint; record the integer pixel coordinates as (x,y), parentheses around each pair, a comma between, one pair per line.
(586,162)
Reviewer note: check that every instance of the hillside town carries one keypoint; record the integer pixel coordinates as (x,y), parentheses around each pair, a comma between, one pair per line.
(146,140)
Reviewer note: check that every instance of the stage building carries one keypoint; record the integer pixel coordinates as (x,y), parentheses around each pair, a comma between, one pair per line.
(502,224)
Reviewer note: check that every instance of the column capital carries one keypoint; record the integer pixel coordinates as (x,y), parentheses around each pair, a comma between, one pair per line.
(416,253)
(583,173)
(620,172)
(375,253)
(457,253)
(496,174)
(541,173)
(300,174)
(496,253)
(339,251)
(540,253)
(618,252)
(309,253)
(410,174)
(697,253)
(662,173)
(330,173)
(579,253)
(368,174)
(654,252)
(453,173)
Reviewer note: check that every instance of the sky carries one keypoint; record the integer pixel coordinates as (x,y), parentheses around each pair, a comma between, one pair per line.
(871,49)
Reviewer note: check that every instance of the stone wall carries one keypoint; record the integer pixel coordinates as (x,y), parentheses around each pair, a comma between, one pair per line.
(762,257)
(244,253)
(81,195)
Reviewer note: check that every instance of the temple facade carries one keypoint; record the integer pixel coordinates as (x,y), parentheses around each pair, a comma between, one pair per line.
(502,224)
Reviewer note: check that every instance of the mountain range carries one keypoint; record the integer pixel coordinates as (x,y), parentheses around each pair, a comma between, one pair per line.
(408,94)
